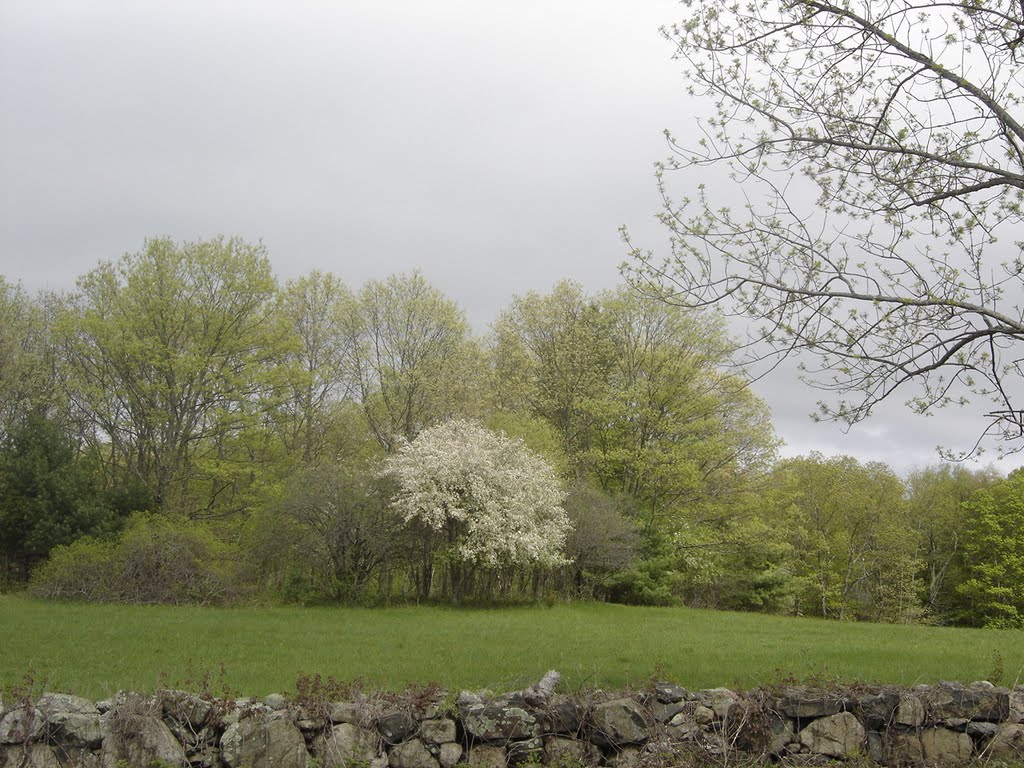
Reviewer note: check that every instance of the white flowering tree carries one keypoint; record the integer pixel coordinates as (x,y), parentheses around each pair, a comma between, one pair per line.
(480,501)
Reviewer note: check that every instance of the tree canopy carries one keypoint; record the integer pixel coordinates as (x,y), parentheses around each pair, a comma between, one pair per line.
(874,154)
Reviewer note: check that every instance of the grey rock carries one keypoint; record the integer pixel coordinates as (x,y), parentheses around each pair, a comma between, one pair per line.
(570,752)
(627,757)
(484,756)
(909,711)
(50,703)
(437,731)
(185,708)
(275,701)
(669,693)
(759,732)
(562,716)
(618,723)
(261,743)
(497,723)
(1008,743)
(876,710)
(411,754)
(721,701)
(876,747)
(449,754)
(72,729)
(396,727)
(347,744)
(527,751)
(1016,697)
(138,738)
(703,715)
(22,724)
(976,702)
(29,756)
(663,713)
(839,735)
(978,730)
(347,712)
(802,703)
(941,745)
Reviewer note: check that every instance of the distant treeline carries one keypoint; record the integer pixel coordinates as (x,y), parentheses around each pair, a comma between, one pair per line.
(185,428)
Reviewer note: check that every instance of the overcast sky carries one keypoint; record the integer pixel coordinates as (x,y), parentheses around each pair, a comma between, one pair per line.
(496,146)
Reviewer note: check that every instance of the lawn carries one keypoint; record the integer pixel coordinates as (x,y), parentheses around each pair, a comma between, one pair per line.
(95,650)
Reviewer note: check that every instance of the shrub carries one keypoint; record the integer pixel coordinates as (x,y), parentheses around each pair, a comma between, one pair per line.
(154,560)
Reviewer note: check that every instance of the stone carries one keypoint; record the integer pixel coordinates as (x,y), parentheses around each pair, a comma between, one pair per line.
(1016,697)
(260,743)
(721,701)
(976,702)
(438,731)
(876,747)
(669,693)
(527,751)
(484,756)
(619,722)
(703,715)
(1007,744)
(185,708)
(347,744)
(499,724)
(50,703)
(663,713)
(562,716)
(941,745)
(72,729)
(627,757)
(803,703)
(909,711)
(839,735)
(138,738)
(347,712)
(760,732)
(569,752)
(29,756)
(411,754)
(980,730)
(22,724)
(449,754)
(275,701)
(876,710)
(396,727)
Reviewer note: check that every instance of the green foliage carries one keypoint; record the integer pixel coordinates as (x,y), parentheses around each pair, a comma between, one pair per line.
(154,560)
(992,590)
(174,356)
(331,536)
(855,556)
(49,496)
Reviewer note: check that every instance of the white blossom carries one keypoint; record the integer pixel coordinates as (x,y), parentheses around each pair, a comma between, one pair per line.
(499,502)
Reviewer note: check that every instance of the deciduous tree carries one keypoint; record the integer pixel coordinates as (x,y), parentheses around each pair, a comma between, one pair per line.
(868,155)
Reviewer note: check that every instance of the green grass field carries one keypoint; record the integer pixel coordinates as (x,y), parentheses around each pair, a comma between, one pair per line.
(95,650)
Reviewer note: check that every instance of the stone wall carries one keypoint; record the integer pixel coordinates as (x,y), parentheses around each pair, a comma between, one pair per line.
(662,725)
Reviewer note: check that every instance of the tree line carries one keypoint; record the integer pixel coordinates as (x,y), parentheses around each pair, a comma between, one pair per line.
(185,427)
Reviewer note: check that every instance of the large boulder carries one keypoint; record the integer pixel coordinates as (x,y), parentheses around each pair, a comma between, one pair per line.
(618,723)
(909,711)
(839,735)
(28,756)
(438,730)
(263,743)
